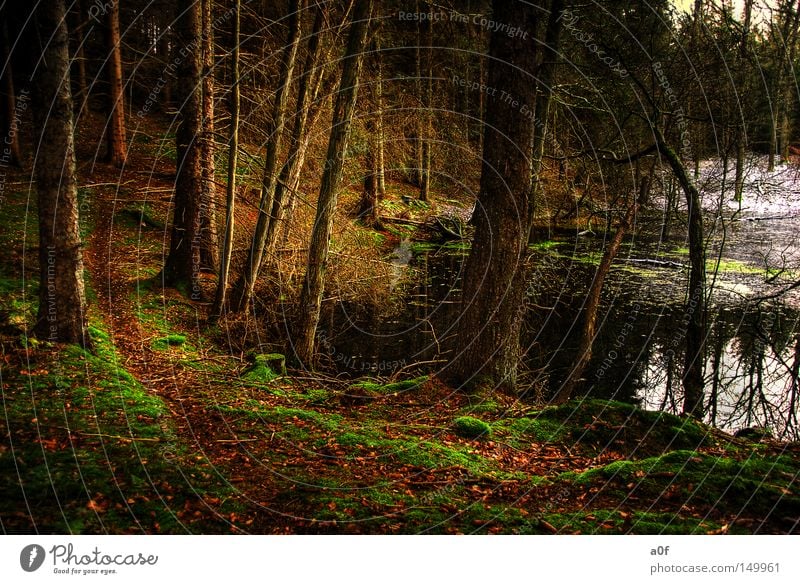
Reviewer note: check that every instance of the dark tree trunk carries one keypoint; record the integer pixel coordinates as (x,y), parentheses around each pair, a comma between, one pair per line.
(427,118)
(488,347)
(306,93)
(62,301)
(233,152)
(10,126)
(243,290)
(592,308)
(313,284)
(368,206)
(547,77)
(182,266)
(80,56)
(115,131)
(738,184)
(695,316)
(209,251)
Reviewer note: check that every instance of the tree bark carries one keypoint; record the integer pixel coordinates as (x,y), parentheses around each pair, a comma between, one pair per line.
(233,152)
(245,285)
(368,206)
(80,56)
(116,142)
(182,267)
(427,118)
(289,177)
(592,307)
(209,251)
(695,313)
(380,161)
(313,284)
(488,347)
(61,315)
(10,127)
(544,95)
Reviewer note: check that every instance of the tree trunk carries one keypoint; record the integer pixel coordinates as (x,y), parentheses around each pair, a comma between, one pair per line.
(738,181)
(547,77)
(592,307)
(243,290)
(10,126)
(379,145)
(315,109)
(233,152)
(115,132)
(62,301)
(488,348)
(427,118)
(368,206)
(313,284)
(209,251)
(182,266)
(787,44)
(288,180)
(695,315)
(165,55)
(80,57)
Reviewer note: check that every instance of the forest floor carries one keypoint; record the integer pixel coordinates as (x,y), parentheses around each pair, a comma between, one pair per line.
(161,428)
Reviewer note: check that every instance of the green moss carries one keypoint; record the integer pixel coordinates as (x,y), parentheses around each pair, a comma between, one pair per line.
(101,452)
(759,485)
(545,245)
(612,521)
(601,425)
(418,453)
(265,368)
(482,406)
(388,388)
(728,266)
(173,340)
(469,427)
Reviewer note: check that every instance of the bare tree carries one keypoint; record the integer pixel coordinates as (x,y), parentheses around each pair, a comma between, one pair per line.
(233,151)
(314,282)
(243,289)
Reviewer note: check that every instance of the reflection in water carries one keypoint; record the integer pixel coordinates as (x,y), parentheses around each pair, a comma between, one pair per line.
(752,351)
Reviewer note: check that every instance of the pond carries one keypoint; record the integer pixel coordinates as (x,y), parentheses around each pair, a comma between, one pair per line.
(752,352)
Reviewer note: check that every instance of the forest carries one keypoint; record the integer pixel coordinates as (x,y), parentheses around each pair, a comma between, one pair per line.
(384,267)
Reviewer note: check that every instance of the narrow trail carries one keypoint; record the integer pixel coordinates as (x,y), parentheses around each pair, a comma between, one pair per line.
(199,427)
